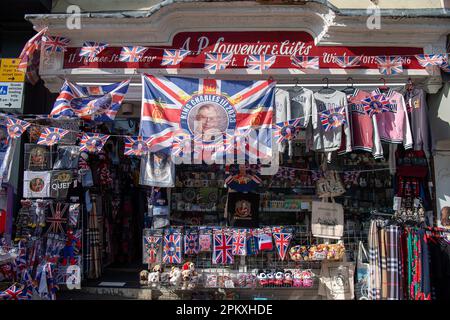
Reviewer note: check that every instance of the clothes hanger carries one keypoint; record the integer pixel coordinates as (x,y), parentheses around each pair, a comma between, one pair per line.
(410,85)
(326,89)
(297,88)
(350,87)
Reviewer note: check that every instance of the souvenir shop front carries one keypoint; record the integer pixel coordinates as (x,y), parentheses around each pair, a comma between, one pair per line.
(242,162)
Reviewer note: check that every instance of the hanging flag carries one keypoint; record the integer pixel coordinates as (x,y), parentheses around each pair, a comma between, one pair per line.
(97,103)
(132,53)
(304,62)
(181,143)
(426,60)
(242,178)
(16,127)
(217,61)
(389,65)
(57,222)
(55,44)
(333,118)
(286,130)
(14,292)
(191,244)
(223,248)
(252,242)
(265,241)
(172,248)
(137,146)
(285,174)
(375,104)
(151,247)
(29,50)
(239,242)
(348,61)
(93,142)
(51,136)
(282,240)
(91,49)
(351,177)
(260,62)
(173,57)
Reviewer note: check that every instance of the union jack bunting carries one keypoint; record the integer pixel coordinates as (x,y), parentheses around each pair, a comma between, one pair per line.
(51,136)
(173,57)
(351,177)
(286,174)
(151,247)
(282,241)
(239,242)
(223,248)
(13,293)
(217,61)
(137,146)
(172,248)
(426,60)
(375,104)
(91,49)
(286,130)
(332,119)
(55,44)
(348,61)
(93,142)
(16,127)
(389,65)
(316,175)
(132,54)
(303,62)
(260,62)
(191,245)
(29,49)
(58,218)
(97,103)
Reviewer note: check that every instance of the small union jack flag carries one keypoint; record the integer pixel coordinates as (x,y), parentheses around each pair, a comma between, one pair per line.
(333,118)
(348,61)
(426,60)
(260,62)
(282,241)
(191,244)
(55,44)
(137,146)
(58,218)
(151,247)
(93,142)
(12,293)
(173,57)
(217,61)
(29,49)
(286,173)
(303,62)
(16,127)
(91,49)
(390,65)
(239,242)
(132,53)
(286,130)
(375,104)
(223,248)
(351,177)
(51,136)
(172,248)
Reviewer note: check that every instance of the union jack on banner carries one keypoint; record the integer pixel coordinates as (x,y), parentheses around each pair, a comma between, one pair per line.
(239,242)
(58,218)
(390,65)
(282,241)
(93,142)
(426,60)
(181,143)
(304,62)
(91,49)
(29,49)
(260,62)
(445,66)
(173,57)
(217,61)
(375,104)
(223,248)
(51,136)
(242,178)
(132,53)
(191,244)
(97,103)
(348,61)
(16,127)
(286,130)
(151,247)
(137,146)
(333,118)
(172,248)
(55,44)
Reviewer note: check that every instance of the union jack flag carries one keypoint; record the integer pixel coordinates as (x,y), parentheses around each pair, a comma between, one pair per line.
(286,173)
(191,244)
(173,57)
(58,218)
(29,49)
(132,54)
(390,65)
(333,118)
(51,136)
(223,248)
(348,61)
(303,62)
(151,247)
(137,146)
(13,293)
(172,248)
(426,60)
(286,130)
(55,44)
(16,127)
(181,143)
(97,103)
(351,177)
(239,242)
(282,241)
(21,260)
(91,49)
(375,104)
(27,281)
(217,61)
(93,142)
(260,62)
(445,66)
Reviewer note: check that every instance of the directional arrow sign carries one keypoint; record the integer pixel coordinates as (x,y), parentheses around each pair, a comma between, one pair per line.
(9,72)
(11,95)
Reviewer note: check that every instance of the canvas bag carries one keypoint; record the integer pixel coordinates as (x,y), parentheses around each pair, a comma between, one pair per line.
(327,219)
(362,274)
(330,185)
(337,280)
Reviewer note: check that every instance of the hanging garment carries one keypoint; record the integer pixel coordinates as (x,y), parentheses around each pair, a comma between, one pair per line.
(440,267)
(375,263)
(93,235)
(392,263)
(425,281)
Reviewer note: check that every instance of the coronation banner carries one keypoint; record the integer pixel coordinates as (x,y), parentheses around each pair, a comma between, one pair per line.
(282,44)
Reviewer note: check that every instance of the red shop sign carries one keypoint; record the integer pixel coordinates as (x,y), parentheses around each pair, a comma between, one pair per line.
(242,44)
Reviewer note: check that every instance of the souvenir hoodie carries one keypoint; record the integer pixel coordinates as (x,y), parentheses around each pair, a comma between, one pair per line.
(282,109)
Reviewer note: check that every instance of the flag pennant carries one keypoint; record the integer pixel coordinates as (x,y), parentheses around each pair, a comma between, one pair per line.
(16,127)
(333,118)
(304,62)
(191,244)
(96,103)
(286,130)
(29,49)
(348,61)
(55,44)
(260,62)
(217,61)
(91,49)
(282,241)
(426,60)
(375,104)
(137,146)
(173,57)
(172,248)
(265,241)
(223,248)
(151,247)
(93,142)
(389,65)
(240,242)
(132,53)
(51,136)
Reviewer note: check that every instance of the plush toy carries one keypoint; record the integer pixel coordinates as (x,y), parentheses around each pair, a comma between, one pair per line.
(262,278)
(175,276)
(72,243)
(297,282)
(153,279)
(279,277)
(307,278)
(158,268)
(143,277)
(270,278)
(186,275)
(287,282)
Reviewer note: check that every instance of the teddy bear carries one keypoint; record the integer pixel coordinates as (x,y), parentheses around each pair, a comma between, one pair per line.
(189,275)
(307,278)
(186,275)
(153,279)
(143,277)
(175,276)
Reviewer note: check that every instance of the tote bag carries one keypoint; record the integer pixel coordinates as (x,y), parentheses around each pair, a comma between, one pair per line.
(362,274)
(327,220)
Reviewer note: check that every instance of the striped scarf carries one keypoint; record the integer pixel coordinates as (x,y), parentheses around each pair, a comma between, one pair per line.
(374,263)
